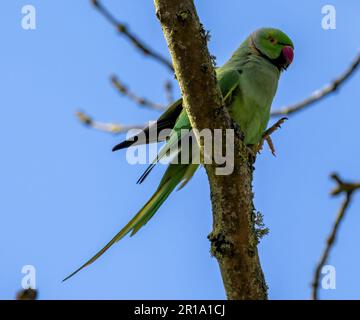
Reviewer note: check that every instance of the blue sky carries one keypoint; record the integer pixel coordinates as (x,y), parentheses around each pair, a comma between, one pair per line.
(63,194)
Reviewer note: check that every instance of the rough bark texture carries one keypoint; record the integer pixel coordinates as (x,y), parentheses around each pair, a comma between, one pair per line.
(233,239)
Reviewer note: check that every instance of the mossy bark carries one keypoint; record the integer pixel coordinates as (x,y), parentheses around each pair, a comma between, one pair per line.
(233,239)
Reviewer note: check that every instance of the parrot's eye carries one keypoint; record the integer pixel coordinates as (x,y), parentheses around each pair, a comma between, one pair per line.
(272,40)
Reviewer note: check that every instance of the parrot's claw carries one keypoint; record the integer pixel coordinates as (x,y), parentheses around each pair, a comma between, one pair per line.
(267,137)
(271,146)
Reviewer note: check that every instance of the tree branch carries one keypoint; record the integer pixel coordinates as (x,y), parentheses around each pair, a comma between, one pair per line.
(142,102)
(113,128)
(348,189)
(320,94)
(233,239)
(124,30)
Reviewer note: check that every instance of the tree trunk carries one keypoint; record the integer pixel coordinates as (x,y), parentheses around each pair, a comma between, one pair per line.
(233,239)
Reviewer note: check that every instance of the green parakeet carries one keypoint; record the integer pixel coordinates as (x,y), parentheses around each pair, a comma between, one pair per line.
(248,82)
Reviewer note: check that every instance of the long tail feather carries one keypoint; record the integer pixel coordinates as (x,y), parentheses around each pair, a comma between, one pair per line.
(172,178)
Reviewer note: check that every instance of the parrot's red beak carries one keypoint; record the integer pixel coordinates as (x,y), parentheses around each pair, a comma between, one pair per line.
(288,54)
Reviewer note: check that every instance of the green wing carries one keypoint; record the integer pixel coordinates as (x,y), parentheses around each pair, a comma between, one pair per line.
(166,121)
(228,80)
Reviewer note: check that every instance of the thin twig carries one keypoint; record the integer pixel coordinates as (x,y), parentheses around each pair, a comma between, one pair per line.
(348,189)
(113,128)
(124,30)
(168,86)
(320,94)
(143,102)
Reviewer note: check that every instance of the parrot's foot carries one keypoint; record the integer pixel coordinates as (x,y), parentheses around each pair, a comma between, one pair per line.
(267,137)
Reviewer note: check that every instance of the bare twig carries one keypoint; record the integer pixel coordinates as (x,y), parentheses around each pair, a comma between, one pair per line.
(320,94)
(348,189)
(106,127)
(168,86)
(143,102)
(124,30)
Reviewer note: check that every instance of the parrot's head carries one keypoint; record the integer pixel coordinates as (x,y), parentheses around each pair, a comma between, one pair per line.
(274,45)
